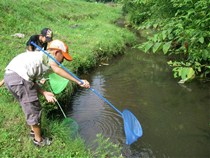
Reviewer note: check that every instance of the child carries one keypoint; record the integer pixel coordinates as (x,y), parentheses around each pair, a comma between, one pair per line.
(20,78)
(41,40)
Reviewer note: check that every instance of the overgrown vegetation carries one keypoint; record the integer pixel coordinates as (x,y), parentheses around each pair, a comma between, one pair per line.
(181,30)
(90,31)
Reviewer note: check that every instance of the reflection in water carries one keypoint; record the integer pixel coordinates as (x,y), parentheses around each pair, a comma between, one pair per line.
(175,118)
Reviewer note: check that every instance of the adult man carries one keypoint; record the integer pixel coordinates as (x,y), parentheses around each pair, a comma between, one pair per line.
(20,78)
(41,39)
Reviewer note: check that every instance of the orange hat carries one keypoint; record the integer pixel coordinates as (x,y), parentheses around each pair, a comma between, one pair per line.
(59,45)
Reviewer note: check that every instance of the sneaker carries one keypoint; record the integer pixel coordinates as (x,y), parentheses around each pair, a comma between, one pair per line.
(31,134)
(45,142)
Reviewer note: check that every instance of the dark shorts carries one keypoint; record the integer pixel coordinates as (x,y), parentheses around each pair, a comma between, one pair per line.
(26,93)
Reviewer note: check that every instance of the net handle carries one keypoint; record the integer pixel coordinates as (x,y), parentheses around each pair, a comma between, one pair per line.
(73,75)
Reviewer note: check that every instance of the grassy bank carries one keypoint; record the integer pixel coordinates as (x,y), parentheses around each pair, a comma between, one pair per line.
(92,36)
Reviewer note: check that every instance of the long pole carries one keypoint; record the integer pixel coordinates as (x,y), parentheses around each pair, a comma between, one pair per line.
(73,75)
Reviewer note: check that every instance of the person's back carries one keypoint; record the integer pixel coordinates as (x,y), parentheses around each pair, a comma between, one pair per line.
(32,67)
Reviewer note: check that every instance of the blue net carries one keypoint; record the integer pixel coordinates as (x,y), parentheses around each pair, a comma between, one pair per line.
(132,127)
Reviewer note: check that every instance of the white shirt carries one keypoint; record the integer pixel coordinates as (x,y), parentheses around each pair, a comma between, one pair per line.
(30,65)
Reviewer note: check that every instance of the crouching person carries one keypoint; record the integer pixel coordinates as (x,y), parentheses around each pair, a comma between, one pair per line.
(21,75)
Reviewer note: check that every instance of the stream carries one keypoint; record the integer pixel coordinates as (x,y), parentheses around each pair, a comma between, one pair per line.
(175,118)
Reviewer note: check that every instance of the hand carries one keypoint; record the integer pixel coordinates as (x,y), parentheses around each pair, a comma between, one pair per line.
(49,96)
(42,81)
(85,84)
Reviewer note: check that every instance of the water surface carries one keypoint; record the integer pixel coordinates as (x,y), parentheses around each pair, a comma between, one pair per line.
(175,118)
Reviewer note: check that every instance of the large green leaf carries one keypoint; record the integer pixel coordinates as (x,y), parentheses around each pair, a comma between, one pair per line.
(156,47)
(166,47)
(147,46)
(187,73)
(201,40)
(164,34)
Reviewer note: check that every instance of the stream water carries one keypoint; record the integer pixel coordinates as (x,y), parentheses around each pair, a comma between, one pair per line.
(175,118)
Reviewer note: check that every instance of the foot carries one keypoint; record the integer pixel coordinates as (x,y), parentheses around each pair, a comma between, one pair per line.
(44,142)
(31,134)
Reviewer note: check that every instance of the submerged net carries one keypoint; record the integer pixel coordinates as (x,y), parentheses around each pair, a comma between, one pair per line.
(72,125)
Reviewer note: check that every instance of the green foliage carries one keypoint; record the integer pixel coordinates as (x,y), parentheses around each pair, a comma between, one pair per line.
(182,28)
(106,148)
(102,1)
(183,70)
(15,142)
(136,11)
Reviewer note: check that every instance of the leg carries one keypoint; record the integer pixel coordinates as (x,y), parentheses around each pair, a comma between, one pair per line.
(37,132)
(26,93)
(32,112)
(1,82)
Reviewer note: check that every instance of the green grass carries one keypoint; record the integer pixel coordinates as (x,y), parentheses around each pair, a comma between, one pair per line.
(88,29)
(92,36)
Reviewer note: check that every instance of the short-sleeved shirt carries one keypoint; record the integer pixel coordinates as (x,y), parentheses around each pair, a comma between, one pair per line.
(30,65)
(35,39)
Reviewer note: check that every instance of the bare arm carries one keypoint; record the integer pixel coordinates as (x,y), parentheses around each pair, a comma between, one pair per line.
(58,70)
(50,97)
(29,48)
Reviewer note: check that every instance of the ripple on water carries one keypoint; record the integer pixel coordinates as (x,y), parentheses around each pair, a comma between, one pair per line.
(96,117)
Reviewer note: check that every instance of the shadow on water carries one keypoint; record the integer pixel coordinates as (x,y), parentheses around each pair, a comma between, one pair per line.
(175,118)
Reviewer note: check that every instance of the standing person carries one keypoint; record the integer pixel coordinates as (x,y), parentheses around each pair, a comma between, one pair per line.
(20,79)
(41,39)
